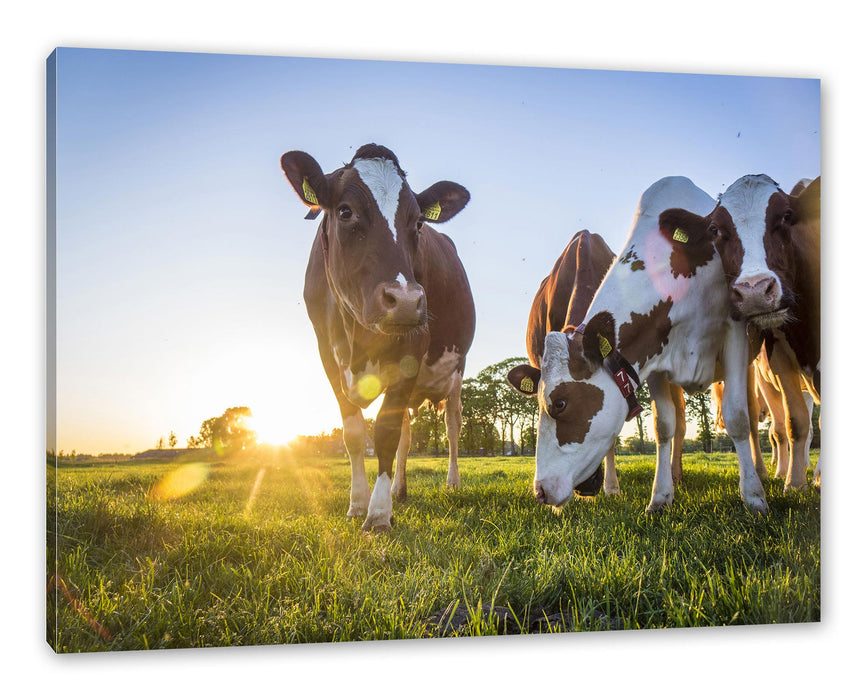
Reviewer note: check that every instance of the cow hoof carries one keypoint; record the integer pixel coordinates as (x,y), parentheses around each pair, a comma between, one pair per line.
(377,526)
(612,492)
(758,507)
(356,512)
(802,488)
(659,505)
(452,484)
(399,495)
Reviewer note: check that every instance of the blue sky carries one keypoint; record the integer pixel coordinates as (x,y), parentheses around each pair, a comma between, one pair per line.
(182,247)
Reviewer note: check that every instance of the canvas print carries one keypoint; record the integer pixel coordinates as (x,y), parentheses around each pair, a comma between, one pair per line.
(360,350)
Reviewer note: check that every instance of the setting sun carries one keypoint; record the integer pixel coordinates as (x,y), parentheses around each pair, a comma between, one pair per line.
(271,427)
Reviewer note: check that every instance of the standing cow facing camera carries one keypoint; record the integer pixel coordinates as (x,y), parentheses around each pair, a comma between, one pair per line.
(391,307)
(770,247)
(660,316)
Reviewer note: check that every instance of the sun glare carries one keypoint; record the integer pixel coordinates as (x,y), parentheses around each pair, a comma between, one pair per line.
(270,428)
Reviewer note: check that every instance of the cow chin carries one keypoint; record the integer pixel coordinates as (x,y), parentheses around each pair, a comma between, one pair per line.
(770,320)
(400,329)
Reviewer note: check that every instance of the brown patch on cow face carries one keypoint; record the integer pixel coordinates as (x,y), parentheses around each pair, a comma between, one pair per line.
(690,240)
(781,217)
(572,405)
(646,334)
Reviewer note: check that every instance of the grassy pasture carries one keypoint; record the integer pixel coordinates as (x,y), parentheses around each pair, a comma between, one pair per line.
(260,552)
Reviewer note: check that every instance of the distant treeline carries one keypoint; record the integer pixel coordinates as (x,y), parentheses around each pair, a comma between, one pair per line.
(497,420)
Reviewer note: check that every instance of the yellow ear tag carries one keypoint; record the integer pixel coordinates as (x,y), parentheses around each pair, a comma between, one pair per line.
(603,345)
(681,236)
(527,385)
(309,195)
(432,212)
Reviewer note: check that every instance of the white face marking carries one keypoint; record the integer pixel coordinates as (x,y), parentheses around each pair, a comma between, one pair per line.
(559,468)
(383,179)
(746,201)
(401,280)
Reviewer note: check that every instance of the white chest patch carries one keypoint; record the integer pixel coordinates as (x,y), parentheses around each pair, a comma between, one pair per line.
(436,381)
(384,182)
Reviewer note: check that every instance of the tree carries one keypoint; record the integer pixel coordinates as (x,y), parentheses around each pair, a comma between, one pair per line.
(227,433)
(172,440)
(699,407)
(160,444)
(643,397)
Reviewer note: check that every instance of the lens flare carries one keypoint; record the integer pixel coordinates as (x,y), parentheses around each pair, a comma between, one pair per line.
(369,386)
(180,482)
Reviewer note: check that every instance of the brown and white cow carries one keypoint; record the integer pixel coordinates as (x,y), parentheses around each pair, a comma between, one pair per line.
(391,307)
(769,243)
(660,315)
(560,304)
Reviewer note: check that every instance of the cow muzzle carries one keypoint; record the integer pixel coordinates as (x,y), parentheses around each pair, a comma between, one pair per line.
(400,307)
(755,296)
(554,493)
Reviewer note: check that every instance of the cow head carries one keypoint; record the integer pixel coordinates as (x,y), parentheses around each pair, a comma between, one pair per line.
(581,410)
(750,227)
(370,233)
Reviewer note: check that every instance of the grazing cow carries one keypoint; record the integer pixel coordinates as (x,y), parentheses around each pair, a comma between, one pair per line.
(560,304)
(391,307)
(660,315)
(769,243)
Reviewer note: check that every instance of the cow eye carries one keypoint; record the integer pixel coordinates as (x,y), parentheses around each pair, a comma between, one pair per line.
(344,213)
(714,231)
(788,216)
(558,406)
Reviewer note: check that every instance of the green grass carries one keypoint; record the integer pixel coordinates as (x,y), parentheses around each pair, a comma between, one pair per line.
(218,567)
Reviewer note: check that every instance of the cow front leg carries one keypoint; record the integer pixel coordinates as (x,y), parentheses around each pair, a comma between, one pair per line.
(453,422)
(611,481)
(735,411)
(389,428)
(355,439)
(664,423)
(398,488)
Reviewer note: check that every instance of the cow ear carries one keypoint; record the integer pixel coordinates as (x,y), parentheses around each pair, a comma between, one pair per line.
(442,201)
(808,204)
(599,338)
(307,179)
(684,226)
(525,379)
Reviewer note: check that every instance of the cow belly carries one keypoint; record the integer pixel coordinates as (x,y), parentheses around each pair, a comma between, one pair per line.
(436,381)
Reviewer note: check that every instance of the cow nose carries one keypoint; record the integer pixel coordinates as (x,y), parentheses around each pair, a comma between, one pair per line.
(402,305)
(755,295)
(539,491)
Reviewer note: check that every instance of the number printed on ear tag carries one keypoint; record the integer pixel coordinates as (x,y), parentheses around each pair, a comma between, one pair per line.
(432,212)
(527,385)
(681,236)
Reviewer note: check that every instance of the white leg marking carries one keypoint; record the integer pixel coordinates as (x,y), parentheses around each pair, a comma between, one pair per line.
(664,419)
(453,420)
(355,439)
(736,414)
(379,513)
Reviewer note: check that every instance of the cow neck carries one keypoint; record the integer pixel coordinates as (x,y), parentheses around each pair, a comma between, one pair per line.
(622,374)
